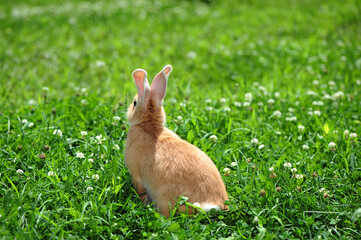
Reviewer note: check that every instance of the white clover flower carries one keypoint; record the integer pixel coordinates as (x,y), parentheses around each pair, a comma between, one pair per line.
(246,104)
(305,147)
(213,138)
(208,100)
(335,132)
(209,108)
(331,83)
(80,155)
(116,118)
(301,128)
(226,109)
(327,97)
(196,204)
(116,146)
(45,89)
(353,135)
(83,133)
(100,64)
(191,55)
(291,119)
(89,189)
(271,101)
(32,102)
(310,113)
(278,133)
(332,145)
(358,82)
(84,102)
(256,84)
(100,139)
(338,95)
(291,110)
(223,100)
(226,171)
(317,113)
(255,219)
(51,173)
(179,118)
(263,89)
(311,93)
(24,121)
(287,165)
(277,114)
(19,171)
(293,170)
(248,97)
(299,176)
(271,169)
(233,164)
(260,147)
(182,104)
(254,141)
(95,177)
(346,133)
(238,104)
(58,132)
(315,82)
(90,160)
(83,90)
(260,104)
(277,95)
(31,124)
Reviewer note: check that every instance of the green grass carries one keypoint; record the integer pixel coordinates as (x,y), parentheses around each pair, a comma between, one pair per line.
(220,50)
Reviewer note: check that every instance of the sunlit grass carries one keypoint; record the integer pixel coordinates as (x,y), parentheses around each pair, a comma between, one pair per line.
(270,91)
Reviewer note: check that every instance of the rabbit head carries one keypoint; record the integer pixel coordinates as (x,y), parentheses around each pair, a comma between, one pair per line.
(147,105)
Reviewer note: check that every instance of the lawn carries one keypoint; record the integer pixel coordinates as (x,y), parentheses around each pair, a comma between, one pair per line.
(270,90)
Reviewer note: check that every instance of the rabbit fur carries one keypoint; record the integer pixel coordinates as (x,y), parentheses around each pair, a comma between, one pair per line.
(163,166)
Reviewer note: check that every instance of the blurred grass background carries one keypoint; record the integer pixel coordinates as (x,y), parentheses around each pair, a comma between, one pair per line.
(211,45)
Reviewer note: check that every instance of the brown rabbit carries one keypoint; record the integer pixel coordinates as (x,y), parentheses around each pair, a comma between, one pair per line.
(163,166)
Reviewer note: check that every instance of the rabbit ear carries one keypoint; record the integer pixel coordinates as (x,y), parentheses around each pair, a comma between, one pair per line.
(141,81)
(159,86)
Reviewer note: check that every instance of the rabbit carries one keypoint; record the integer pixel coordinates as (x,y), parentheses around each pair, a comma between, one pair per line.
(163,166)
